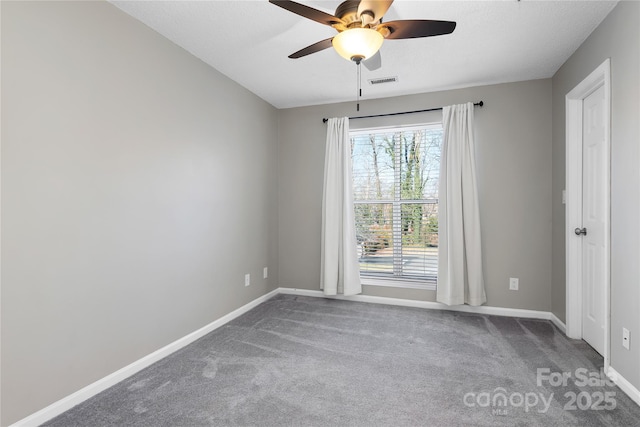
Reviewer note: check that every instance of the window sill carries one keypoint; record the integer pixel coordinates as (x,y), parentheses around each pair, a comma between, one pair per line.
(398,283)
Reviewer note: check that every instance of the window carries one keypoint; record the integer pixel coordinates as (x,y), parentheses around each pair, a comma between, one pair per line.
(395,177)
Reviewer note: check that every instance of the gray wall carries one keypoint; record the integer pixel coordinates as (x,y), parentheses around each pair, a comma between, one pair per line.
(514,178)
(138,186)
(618,38)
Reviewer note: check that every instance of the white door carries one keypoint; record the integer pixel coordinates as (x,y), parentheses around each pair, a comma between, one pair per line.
(594,219)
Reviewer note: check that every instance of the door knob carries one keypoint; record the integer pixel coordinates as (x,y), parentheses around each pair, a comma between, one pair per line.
(580,231)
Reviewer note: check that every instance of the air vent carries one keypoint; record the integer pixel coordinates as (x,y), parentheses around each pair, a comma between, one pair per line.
(383,80)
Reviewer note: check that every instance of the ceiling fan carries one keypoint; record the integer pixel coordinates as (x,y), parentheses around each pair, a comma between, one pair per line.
(361,30)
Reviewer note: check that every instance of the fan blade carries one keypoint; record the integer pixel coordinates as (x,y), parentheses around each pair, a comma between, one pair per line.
(316,47)
(414,28)
(374,62)
(375,7)
(307,12)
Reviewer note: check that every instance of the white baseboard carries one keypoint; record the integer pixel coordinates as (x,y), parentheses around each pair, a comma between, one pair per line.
(495,311)
(91,390)
(624,385)
(559,323)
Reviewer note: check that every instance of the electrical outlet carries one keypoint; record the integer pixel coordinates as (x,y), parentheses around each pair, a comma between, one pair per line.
(247,279)
(265,273)
(625,338)
(513,283)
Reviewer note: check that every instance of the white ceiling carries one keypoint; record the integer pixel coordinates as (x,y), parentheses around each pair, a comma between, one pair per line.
(494,42)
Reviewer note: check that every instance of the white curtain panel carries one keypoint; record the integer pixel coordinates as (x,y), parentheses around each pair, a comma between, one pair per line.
(340,271)
(460,277)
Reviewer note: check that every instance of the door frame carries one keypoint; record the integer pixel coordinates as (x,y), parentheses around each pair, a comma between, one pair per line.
(601,76)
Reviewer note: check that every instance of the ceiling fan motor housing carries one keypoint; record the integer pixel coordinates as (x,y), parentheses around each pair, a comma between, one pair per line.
(348,12)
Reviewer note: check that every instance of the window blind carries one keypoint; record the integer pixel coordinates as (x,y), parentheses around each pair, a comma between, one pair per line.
(395,178)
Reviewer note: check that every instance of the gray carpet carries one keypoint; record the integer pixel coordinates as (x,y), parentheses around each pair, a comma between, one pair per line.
(301,361)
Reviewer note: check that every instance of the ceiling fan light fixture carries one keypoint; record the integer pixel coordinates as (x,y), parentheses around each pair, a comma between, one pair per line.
(357,44)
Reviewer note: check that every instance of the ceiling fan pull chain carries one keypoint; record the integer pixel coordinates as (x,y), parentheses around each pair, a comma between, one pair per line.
(359,77)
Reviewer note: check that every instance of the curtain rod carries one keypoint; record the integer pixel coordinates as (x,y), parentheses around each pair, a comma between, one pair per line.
(477,104)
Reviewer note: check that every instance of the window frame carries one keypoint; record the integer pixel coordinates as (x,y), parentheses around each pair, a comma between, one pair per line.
(409,282)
